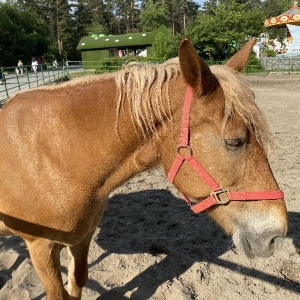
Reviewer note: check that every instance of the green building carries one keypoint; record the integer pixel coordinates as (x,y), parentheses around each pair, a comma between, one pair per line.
(99,47)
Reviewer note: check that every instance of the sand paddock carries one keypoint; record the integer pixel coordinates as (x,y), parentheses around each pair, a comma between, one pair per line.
(151,246)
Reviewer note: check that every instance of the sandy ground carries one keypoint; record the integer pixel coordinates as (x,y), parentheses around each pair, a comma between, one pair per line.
(151,246)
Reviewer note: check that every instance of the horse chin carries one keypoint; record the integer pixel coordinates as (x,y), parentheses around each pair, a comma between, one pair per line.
(253,249)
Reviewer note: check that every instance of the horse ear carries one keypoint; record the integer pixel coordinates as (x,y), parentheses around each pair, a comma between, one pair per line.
(239,60)
(194,70)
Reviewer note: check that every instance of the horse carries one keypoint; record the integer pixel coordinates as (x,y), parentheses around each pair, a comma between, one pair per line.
(65,148)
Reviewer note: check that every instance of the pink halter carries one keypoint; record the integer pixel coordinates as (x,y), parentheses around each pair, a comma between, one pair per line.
(218,195)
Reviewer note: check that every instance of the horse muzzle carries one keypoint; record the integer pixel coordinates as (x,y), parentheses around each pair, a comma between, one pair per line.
(259,242)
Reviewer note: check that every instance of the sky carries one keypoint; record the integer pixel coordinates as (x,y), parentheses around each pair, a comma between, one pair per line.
(199,1)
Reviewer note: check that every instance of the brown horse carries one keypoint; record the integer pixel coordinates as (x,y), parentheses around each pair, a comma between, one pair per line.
(65,148)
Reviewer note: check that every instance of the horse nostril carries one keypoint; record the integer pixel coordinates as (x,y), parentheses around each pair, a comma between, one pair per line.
(273,241)
(276,242)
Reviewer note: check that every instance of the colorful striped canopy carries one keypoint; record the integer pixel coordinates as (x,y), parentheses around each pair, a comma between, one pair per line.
(292,16)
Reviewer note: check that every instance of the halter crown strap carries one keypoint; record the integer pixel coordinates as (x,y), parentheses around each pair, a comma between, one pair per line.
(219,195)
(185,121)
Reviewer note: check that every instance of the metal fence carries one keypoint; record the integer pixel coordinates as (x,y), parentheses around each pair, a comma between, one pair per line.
(290,65)
(262,65)
(270,64)
(13,81)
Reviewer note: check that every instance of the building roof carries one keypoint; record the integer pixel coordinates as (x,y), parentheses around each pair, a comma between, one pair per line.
(102,41)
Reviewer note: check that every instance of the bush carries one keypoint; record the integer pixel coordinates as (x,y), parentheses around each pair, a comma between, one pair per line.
(253,65)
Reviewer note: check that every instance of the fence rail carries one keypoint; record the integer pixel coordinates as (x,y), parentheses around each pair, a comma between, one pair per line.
(14,82)
(262,65)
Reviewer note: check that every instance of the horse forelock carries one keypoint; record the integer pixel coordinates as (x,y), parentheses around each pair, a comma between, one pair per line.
(240,100)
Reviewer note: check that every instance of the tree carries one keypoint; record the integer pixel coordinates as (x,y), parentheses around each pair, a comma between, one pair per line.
(58,15)
(99,14)
(126,15)
(174,14)
(213,29)
(109,19)
(153,15)
(216,33)
(63,26)
(165,47)
(23,34)
(82,16)
(210,6)
(274,8)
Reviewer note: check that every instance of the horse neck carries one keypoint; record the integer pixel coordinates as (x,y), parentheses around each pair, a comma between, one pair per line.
(125,150)
(140,160)
(117,146)
(139,151)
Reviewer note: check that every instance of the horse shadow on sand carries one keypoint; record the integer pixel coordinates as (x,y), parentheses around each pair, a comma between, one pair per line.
(156,222)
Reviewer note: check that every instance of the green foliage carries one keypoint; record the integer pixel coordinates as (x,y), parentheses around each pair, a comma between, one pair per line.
(218,33)
(114,64)
(153,15)
(253,65)
(274,8)
(23,34)
(96,28)
(271,53)
(106,66)
(54,28)
(164,48)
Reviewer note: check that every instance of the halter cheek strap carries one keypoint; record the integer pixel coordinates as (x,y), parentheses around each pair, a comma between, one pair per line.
(219,195)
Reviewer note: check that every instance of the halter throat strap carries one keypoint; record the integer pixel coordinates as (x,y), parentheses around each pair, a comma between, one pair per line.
(219,195)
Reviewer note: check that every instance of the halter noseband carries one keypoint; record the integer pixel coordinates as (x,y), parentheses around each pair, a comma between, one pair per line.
(219,195)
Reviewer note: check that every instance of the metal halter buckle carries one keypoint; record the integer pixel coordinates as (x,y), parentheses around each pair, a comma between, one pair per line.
(221,196)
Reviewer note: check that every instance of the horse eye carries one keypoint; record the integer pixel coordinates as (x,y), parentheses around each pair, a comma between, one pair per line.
(234,144)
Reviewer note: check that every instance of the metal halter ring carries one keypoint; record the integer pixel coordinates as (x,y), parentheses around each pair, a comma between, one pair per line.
(189,149)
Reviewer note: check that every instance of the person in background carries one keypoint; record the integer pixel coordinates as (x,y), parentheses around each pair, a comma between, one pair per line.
(34,66)
(1,82)
(20,67)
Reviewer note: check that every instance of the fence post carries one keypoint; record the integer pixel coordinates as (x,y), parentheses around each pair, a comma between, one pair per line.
(4,81)
(37,76)
(67,68)
(42,69)
(17,76)
(27,76)
(49,77)
(54,72)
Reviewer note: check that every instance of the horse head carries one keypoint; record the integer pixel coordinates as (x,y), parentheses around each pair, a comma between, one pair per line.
(222,152)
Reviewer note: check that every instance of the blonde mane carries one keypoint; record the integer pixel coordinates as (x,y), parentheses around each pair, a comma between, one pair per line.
(142,85)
